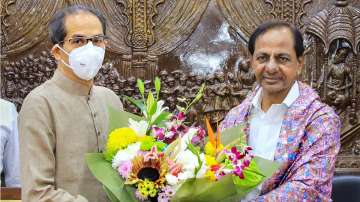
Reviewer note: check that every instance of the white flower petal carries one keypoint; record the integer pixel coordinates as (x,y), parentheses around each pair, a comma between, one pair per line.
(186,175)
(186,139)
(159,110)
(139,127)
(125,155)
(171,179)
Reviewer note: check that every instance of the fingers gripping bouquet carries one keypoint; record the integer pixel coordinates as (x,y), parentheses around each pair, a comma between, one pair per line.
(161,157)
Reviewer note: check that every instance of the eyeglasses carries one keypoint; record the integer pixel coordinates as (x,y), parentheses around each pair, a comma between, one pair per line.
(78,41)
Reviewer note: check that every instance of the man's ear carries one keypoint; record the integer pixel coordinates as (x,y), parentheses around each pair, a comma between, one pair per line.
(301,61)
(251,61)
(56,52)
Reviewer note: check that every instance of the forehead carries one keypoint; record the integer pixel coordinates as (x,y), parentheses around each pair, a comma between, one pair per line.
(82,23)
(278,40)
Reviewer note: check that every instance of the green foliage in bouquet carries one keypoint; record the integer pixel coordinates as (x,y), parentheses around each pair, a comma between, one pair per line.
(229,188)
(113,184)
(150,107)
(188,103)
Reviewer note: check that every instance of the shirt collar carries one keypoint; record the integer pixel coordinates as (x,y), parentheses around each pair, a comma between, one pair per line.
(69,85)
(293,94)
(256,102)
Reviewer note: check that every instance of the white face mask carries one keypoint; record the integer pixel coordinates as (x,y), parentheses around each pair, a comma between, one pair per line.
(85,61)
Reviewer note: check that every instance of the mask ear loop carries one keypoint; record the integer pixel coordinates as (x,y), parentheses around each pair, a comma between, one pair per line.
(68,65)
(57,45)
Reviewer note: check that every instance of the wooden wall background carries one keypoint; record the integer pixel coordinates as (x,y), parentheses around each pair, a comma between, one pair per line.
(188,42)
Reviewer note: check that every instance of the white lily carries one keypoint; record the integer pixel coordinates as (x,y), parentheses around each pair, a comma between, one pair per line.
(190,162)
(139,127)
(159,110)
(186,139)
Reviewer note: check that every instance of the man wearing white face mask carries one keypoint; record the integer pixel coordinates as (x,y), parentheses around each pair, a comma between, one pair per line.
(66,117)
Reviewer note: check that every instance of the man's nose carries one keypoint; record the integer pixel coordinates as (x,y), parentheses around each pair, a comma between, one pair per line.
(272,65)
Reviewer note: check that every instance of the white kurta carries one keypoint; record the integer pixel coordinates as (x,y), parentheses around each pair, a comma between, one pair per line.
(9,144)
(265,126)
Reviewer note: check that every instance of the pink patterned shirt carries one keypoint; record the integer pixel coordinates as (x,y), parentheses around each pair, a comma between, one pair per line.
(309,142)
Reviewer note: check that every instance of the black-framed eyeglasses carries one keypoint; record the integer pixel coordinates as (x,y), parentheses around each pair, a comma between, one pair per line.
(78,41)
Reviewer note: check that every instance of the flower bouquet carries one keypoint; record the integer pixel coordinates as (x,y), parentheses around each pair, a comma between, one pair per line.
(160,157)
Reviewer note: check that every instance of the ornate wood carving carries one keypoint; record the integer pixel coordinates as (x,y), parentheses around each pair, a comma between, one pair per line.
(22,27)
(4,24)
(340,21)
(140,25)
(292,11)
(155,37)
(333,40)
(244,16)
(21,76)
(147,31)
(140,35)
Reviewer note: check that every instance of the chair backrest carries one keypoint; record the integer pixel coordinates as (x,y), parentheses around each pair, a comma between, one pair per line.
(346,188)
(10,193)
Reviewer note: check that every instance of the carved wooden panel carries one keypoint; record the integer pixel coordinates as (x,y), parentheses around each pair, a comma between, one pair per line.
(186,43)
(333,44)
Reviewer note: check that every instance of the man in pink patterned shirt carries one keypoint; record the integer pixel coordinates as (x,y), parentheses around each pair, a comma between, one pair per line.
(285,120)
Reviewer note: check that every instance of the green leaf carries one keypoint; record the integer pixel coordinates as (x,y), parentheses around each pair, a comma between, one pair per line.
(198,96)
(266,166)
(204,189)
(153,108)
(252,177)
(160,145)
(138,103)
(236,133)
(110,195)
(120,119)
(162,117)
(149,102)
(192,148)
(141,87)
(221,157)
(113,183)
(157,87)
(200,93)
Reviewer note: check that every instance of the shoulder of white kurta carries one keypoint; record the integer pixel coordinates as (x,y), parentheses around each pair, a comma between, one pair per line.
(6,105)
(8,112)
